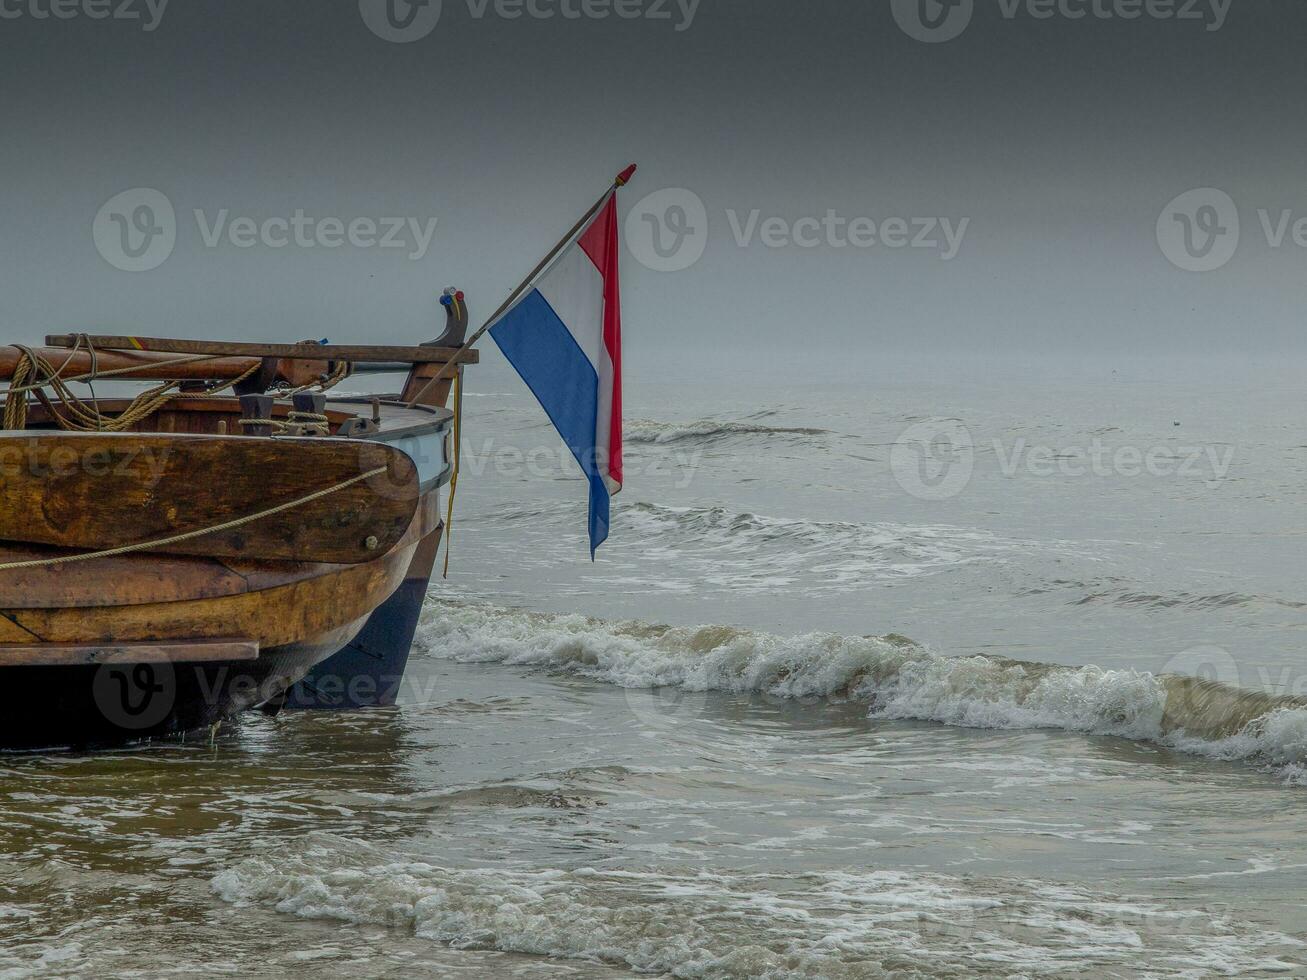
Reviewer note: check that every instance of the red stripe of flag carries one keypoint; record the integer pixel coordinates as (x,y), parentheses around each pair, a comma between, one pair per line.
(600,242)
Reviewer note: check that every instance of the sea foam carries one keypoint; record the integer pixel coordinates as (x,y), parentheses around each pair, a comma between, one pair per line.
(896,677)
(701,924)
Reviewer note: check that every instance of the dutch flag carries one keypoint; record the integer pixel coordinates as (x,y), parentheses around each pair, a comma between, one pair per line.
(564,337)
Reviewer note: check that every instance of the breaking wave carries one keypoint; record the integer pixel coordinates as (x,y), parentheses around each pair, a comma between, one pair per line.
(871,923)
(896,677)
(649,432)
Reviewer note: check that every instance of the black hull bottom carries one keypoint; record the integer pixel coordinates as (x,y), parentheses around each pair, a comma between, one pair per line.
(112,704)
(369,671)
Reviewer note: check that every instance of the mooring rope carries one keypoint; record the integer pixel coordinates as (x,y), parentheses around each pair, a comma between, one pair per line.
(190,535)
(458,455)
(319,423)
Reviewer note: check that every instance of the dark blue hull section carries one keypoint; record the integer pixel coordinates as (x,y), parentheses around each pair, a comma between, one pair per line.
(367,673)
(370,671)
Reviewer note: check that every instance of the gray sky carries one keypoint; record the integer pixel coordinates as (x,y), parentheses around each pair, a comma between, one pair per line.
(1051,145)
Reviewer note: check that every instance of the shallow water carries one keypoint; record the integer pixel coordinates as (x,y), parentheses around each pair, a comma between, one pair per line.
(796,722)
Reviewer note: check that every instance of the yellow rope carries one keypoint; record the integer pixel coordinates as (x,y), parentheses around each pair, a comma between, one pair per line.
(321,424)
(190,535)
(458,455)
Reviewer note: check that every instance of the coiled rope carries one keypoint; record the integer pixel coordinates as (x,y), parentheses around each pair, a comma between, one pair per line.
(34,374)
(78,415)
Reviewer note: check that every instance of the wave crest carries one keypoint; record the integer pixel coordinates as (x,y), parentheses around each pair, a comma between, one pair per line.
(896,677)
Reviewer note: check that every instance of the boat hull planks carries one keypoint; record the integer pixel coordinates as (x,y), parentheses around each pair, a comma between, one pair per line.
(101,491)
(111,649)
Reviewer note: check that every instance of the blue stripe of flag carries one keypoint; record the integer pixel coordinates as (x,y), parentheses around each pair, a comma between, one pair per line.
(544,352)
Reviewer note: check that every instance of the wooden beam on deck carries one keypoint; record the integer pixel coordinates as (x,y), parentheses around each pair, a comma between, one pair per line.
(362,354)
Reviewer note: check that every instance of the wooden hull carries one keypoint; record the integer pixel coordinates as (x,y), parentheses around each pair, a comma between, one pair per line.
(118,648)
(297,615)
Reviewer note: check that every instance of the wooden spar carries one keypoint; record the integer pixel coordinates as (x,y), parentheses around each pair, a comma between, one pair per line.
(99,491)
(64,654)
(467,354)
(153,367)
(316,352)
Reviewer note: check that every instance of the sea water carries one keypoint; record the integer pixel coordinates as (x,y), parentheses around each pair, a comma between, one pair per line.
(905,680)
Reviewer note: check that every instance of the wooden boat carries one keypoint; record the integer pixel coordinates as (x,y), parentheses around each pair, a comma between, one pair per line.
(222,542)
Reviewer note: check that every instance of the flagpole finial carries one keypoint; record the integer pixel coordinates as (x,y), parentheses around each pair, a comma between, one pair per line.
(625,176)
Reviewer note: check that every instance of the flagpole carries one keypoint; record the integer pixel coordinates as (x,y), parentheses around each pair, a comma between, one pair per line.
(620,181)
